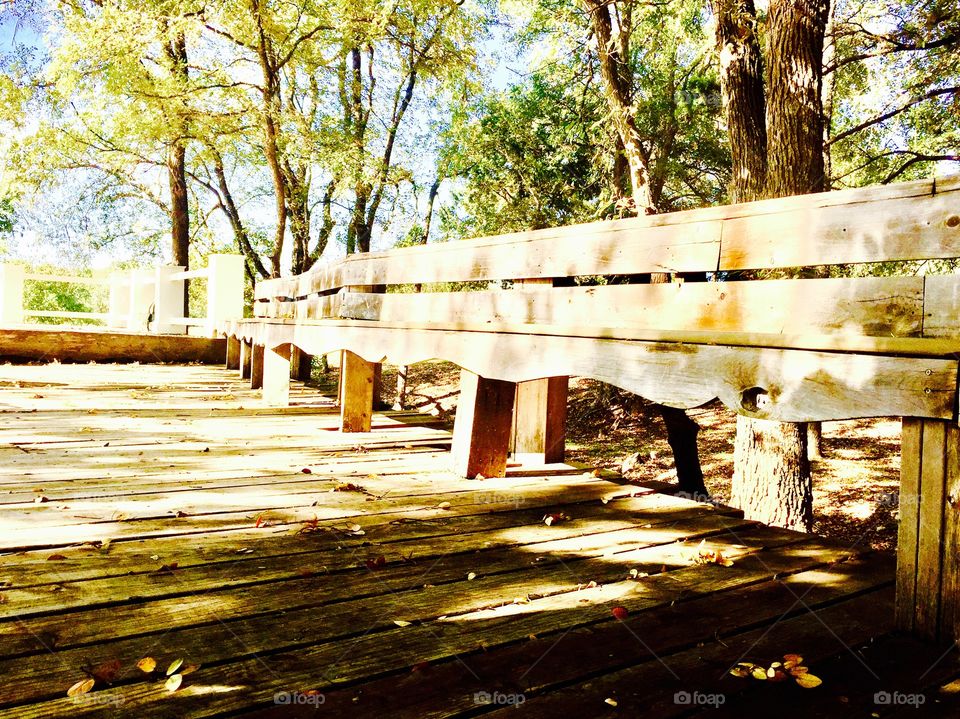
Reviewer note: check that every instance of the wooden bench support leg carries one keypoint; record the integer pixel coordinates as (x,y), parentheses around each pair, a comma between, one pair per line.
(246,352)
(356,393)
(276,376)
(481,431)
(233,353)
(539,421)
(928,565)
(300,364)
(256,367)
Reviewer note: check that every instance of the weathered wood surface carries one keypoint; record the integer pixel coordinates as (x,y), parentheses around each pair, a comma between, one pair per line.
(481,432)
(913,220)
(869,306)
(49,343)
(928,572)
(206,541)
(768,383)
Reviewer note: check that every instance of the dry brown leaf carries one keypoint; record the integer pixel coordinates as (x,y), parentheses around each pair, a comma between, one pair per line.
(951,688)
(107,671)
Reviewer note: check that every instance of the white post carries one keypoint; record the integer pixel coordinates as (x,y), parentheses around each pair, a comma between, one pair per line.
(168,301)
(119,301)
(11,294)
(141,297)
(224,290)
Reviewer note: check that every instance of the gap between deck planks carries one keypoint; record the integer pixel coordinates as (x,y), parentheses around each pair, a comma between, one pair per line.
(490,591)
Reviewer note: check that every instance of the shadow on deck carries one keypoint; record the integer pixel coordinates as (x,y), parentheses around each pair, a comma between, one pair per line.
(160,511)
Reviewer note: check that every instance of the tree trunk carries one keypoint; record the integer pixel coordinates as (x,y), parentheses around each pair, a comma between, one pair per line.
(176,52)
(794,106)
(771,481)
(618,102)
(776,454)
(741,79)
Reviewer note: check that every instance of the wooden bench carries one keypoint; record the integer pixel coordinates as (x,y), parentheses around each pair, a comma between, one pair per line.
(794,350)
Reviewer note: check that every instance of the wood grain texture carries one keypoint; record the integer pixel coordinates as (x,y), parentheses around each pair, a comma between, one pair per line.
(903,221)
(941,306)
(538,434)
(481,431)
(930,539)
(233,353)
(256,366)
(356,393)
(787,385)
(246,352)
(908,529)
(872,306)
(950,571)
(50,343)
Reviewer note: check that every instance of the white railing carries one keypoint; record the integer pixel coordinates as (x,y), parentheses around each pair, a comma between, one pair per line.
(141,300)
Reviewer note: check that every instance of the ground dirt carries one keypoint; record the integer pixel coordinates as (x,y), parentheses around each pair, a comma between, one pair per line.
(855,484)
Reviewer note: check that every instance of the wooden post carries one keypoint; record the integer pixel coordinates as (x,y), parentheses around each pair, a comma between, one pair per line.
(256,367)
(276,376)
(928,565)
(246,350)
(233,353)
(356,393)
(481,431)
(538,435)
(300,364)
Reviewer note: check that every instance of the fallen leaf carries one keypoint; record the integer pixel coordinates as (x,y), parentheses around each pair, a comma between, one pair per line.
(759,673)
(259,523)
(401,623)
(307,470)
(471,576)
(168,568)
(173,682)
(443,505)
(951,688)
(620,613)
(189,669)
(611,701)
(81,687)
(105,673)
(556,518)
(376,563)
(40,500)
(808,681)
(348,487)
(147,664)
(795,658)
(174,665)
(56,558)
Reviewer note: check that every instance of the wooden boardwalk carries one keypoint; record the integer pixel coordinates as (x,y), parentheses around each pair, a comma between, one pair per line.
(162,512)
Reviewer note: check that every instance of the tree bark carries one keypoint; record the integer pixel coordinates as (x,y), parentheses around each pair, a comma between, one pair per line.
(771,478)
(741,81)
(175,50)
(771,481)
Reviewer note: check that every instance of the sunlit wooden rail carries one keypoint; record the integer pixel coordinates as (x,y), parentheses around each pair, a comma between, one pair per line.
(165,513)
(797,349)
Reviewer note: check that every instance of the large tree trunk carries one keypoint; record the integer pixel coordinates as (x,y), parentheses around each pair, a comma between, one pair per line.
(771,481)
(741,79)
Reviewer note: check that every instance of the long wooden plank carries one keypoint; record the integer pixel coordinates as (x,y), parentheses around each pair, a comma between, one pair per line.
(930,539)
(868,306)
(797,386)
(908,529)
(861,225)
(46,344)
